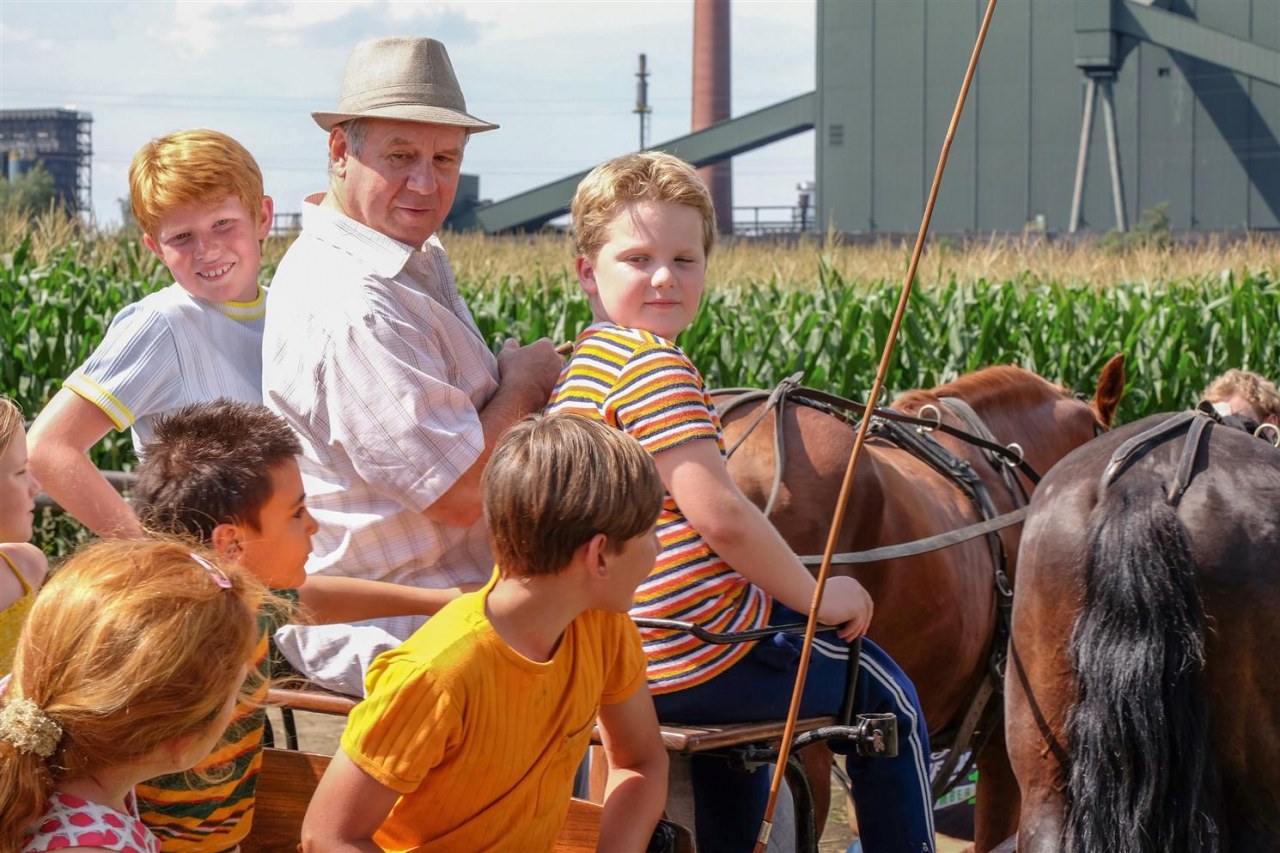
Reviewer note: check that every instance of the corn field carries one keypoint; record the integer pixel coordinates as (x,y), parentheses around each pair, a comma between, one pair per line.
(1180,314)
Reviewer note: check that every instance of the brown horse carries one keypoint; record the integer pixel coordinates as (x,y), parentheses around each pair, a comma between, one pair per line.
(1143,694)
(935,612)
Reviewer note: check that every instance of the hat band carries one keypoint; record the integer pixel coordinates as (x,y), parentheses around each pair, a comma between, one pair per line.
(423,96)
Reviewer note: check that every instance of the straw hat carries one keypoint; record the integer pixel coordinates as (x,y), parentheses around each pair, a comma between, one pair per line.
(404,78)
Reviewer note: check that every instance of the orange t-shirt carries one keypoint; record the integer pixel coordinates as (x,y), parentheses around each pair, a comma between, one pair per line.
(481,742)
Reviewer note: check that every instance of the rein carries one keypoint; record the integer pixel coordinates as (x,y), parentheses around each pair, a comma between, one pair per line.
(926,545)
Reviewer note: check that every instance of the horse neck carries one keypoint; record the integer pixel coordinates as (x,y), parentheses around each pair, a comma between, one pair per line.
(1017,406)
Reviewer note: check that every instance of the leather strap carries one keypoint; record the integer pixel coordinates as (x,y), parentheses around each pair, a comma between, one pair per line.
(930,543)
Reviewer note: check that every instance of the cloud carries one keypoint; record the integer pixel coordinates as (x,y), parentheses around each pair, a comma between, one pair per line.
(559,76)
(301,15)
(196,27)
(10,34)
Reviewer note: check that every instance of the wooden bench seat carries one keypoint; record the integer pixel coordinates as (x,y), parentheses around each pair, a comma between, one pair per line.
(286,782)
(288,778)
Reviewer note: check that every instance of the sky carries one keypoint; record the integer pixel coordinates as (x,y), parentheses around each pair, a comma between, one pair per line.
(558,75)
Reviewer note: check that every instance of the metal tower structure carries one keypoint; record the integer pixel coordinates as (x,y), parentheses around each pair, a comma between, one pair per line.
(1107,31)
(1189,89)
(61,140)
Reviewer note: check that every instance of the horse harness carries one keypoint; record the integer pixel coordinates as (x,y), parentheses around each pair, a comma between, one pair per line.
(1198,423)
(982,715)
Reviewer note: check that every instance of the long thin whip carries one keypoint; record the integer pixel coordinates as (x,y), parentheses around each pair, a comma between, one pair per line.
(784,750)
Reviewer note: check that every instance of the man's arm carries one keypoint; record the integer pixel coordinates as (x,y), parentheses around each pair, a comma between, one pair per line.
(526,376)
(60,440)
(346,810)
(636,787)
(328,599)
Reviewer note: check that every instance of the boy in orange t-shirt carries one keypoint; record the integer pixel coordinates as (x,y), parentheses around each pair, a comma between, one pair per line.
(471,731)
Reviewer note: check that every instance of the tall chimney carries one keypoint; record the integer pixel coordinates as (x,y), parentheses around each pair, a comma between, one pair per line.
(711,95)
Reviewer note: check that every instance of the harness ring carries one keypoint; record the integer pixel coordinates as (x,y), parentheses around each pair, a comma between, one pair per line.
(937,417)
(1263,429)
(1015,448)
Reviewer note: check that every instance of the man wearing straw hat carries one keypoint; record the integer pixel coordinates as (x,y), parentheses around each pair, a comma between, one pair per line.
(372,357)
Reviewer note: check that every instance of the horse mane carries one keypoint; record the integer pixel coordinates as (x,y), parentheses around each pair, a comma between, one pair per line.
(1005,384)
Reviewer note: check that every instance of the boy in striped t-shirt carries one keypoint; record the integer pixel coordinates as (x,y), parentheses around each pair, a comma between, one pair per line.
(643,226)
(225,473)
(198,197)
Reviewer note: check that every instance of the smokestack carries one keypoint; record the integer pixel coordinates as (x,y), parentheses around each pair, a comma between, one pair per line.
(711,95)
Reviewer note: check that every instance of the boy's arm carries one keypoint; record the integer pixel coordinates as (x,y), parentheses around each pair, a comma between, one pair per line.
(346,809)
(636,788)
(59,443)
(697,478)
(328,599)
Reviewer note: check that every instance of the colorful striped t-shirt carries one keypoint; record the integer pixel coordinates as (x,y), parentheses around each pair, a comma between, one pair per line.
(190,814)
(646,386)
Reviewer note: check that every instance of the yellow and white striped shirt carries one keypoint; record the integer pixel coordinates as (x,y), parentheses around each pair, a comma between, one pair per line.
(646,386)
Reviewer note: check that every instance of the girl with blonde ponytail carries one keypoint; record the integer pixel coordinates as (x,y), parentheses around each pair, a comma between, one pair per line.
(128,667)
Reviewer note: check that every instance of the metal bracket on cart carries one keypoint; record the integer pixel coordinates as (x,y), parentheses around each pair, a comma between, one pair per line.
(749,746)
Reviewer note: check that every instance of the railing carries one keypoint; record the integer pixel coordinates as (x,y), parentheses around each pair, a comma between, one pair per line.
(767,220)
(285,224)
(754,221)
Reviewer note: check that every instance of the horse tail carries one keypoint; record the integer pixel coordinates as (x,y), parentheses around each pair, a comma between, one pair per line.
(1142,776)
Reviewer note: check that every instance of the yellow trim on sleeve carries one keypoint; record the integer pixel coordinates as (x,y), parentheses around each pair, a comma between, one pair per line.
(105,395)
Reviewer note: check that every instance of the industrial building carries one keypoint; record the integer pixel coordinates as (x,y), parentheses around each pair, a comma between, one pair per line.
(1083,114)
(60,140)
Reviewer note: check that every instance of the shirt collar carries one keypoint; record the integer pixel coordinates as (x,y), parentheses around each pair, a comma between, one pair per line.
(386,255)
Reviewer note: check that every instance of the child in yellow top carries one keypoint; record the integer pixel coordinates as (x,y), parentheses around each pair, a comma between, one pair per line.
(225,473)
(129,666)
(471,731)
(198,197)
(22,565)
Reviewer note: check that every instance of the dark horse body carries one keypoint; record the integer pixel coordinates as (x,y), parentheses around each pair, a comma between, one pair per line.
(1143,696)
(936,612)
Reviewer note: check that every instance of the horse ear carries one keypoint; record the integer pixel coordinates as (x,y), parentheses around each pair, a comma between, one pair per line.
(1106,399)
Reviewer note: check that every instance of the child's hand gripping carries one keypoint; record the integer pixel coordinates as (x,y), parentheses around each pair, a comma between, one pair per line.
(847,604)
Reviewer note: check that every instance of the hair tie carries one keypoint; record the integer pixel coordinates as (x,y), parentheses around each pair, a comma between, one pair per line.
(28,728)
(216,574)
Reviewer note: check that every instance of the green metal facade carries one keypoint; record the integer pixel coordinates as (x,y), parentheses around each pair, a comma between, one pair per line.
(1191,134)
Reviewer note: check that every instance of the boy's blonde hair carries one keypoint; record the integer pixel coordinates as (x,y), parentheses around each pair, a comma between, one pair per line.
(1258,390)
(552,483)
(192,167)
(10,421)
(652,176)
(130,645)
